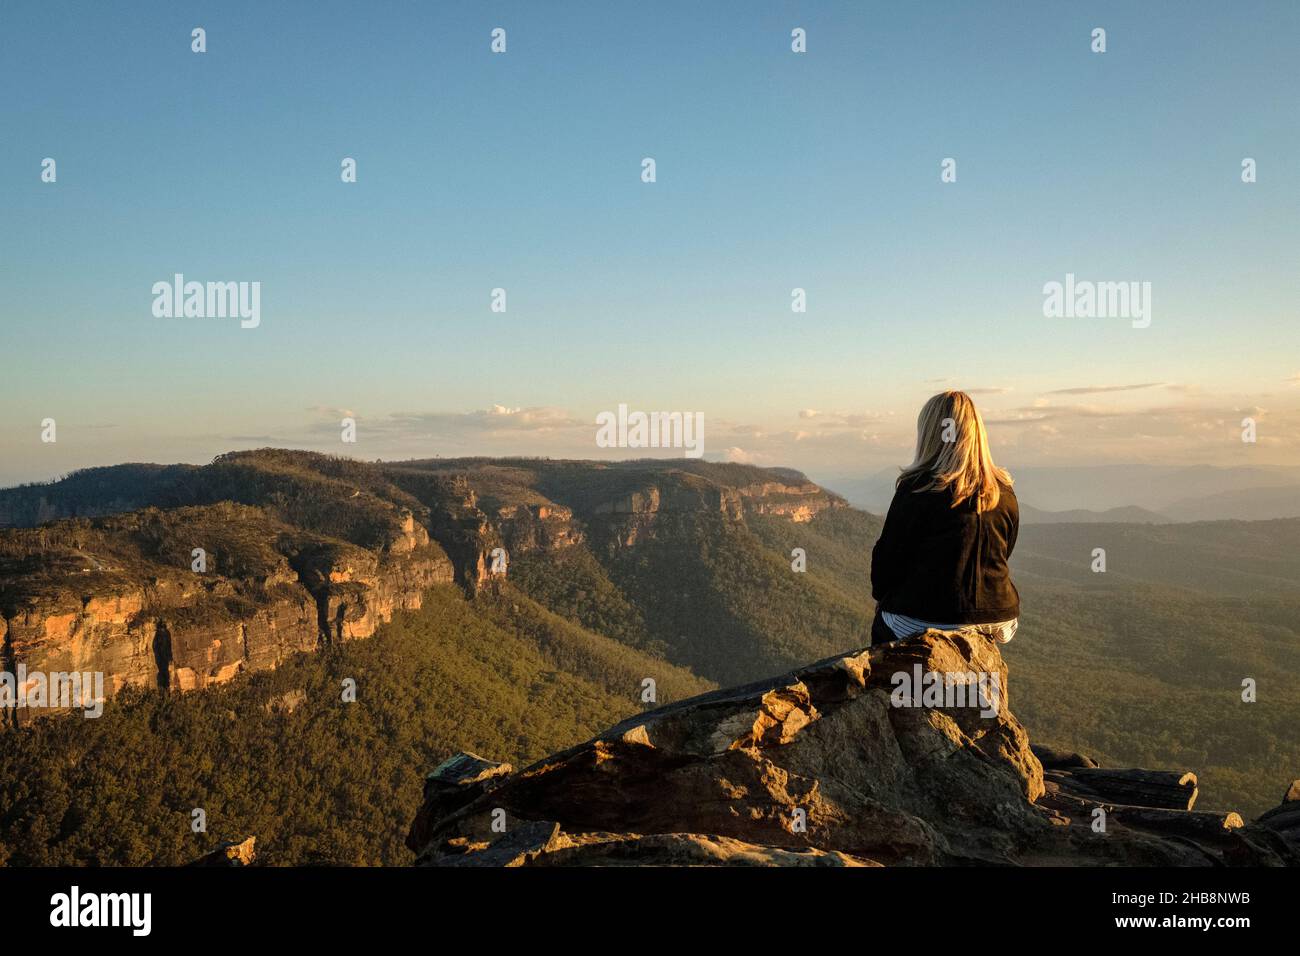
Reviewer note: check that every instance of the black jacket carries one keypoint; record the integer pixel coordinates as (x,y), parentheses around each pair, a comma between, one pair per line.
(943,564)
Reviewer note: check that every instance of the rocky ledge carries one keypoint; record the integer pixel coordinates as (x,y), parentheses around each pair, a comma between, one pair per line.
(839,763)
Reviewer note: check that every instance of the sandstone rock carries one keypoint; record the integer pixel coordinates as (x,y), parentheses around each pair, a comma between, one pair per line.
(542,843)
(1174,790)
(448,787)
(230,855)
(686,849)
(287,702)
(826,766)
(1284,819)
(151,621)
(1060,759)
(817,759)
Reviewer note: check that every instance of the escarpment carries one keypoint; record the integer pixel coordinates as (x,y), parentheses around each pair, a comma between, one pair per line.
(190,597)
(626,515)
(858,760)
(180,577)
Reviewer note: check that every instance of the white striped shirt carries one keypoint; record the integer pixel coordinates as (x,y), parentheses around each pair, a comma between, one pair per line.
(904,626)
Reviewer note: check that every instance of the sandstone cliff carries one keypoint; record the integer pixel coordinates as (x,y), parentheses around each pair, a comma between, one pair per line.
(123,596)
(299,550)
(824,766)
(528,506)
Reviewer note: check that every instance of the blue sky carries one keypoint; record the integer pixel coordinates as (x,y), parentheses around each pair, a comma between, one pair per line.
(775,170)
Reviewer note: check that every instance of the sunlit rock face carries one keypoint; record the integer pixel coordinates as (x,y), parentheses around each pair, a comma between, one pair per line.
(126,597)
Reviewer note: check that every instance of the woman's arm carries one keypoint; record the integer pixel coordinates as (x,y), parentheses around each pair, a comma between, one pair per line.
(1013,514)
(886,556)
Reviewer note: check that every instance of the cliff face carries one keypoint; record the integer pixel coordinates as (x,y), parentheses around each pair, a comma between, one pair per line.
(834,765)
(621,521)
(300,550)
(527,506)
(122,596)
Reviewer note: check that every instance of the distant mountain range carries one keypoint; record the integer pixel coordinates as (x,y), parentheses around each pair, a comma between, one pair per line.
(1130,513)
(1144,493)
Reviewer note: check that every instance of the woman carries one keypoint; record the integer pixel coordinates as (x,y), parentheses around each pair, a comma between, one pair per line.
(941,560)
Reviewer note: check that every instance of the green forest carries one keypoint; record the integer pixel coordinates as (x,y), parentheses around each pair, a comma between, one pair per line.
(331,783)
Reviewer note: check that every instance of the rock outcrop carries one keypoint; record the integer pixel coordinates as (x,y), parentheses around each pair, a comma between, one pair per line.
(906,754)
(1284,819)
(231,855)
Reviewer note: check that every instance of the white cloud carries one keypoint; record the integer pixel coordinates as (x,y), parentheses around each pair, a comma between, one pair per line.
(739,456)
(1096,389)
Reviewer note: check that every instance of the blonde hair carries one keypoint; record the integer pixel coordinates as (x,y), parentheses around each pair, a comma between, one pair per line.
(952,451)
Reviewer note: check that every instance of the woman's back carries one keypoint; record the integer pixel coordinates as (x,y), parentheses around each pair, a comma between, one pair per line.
(937,562)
